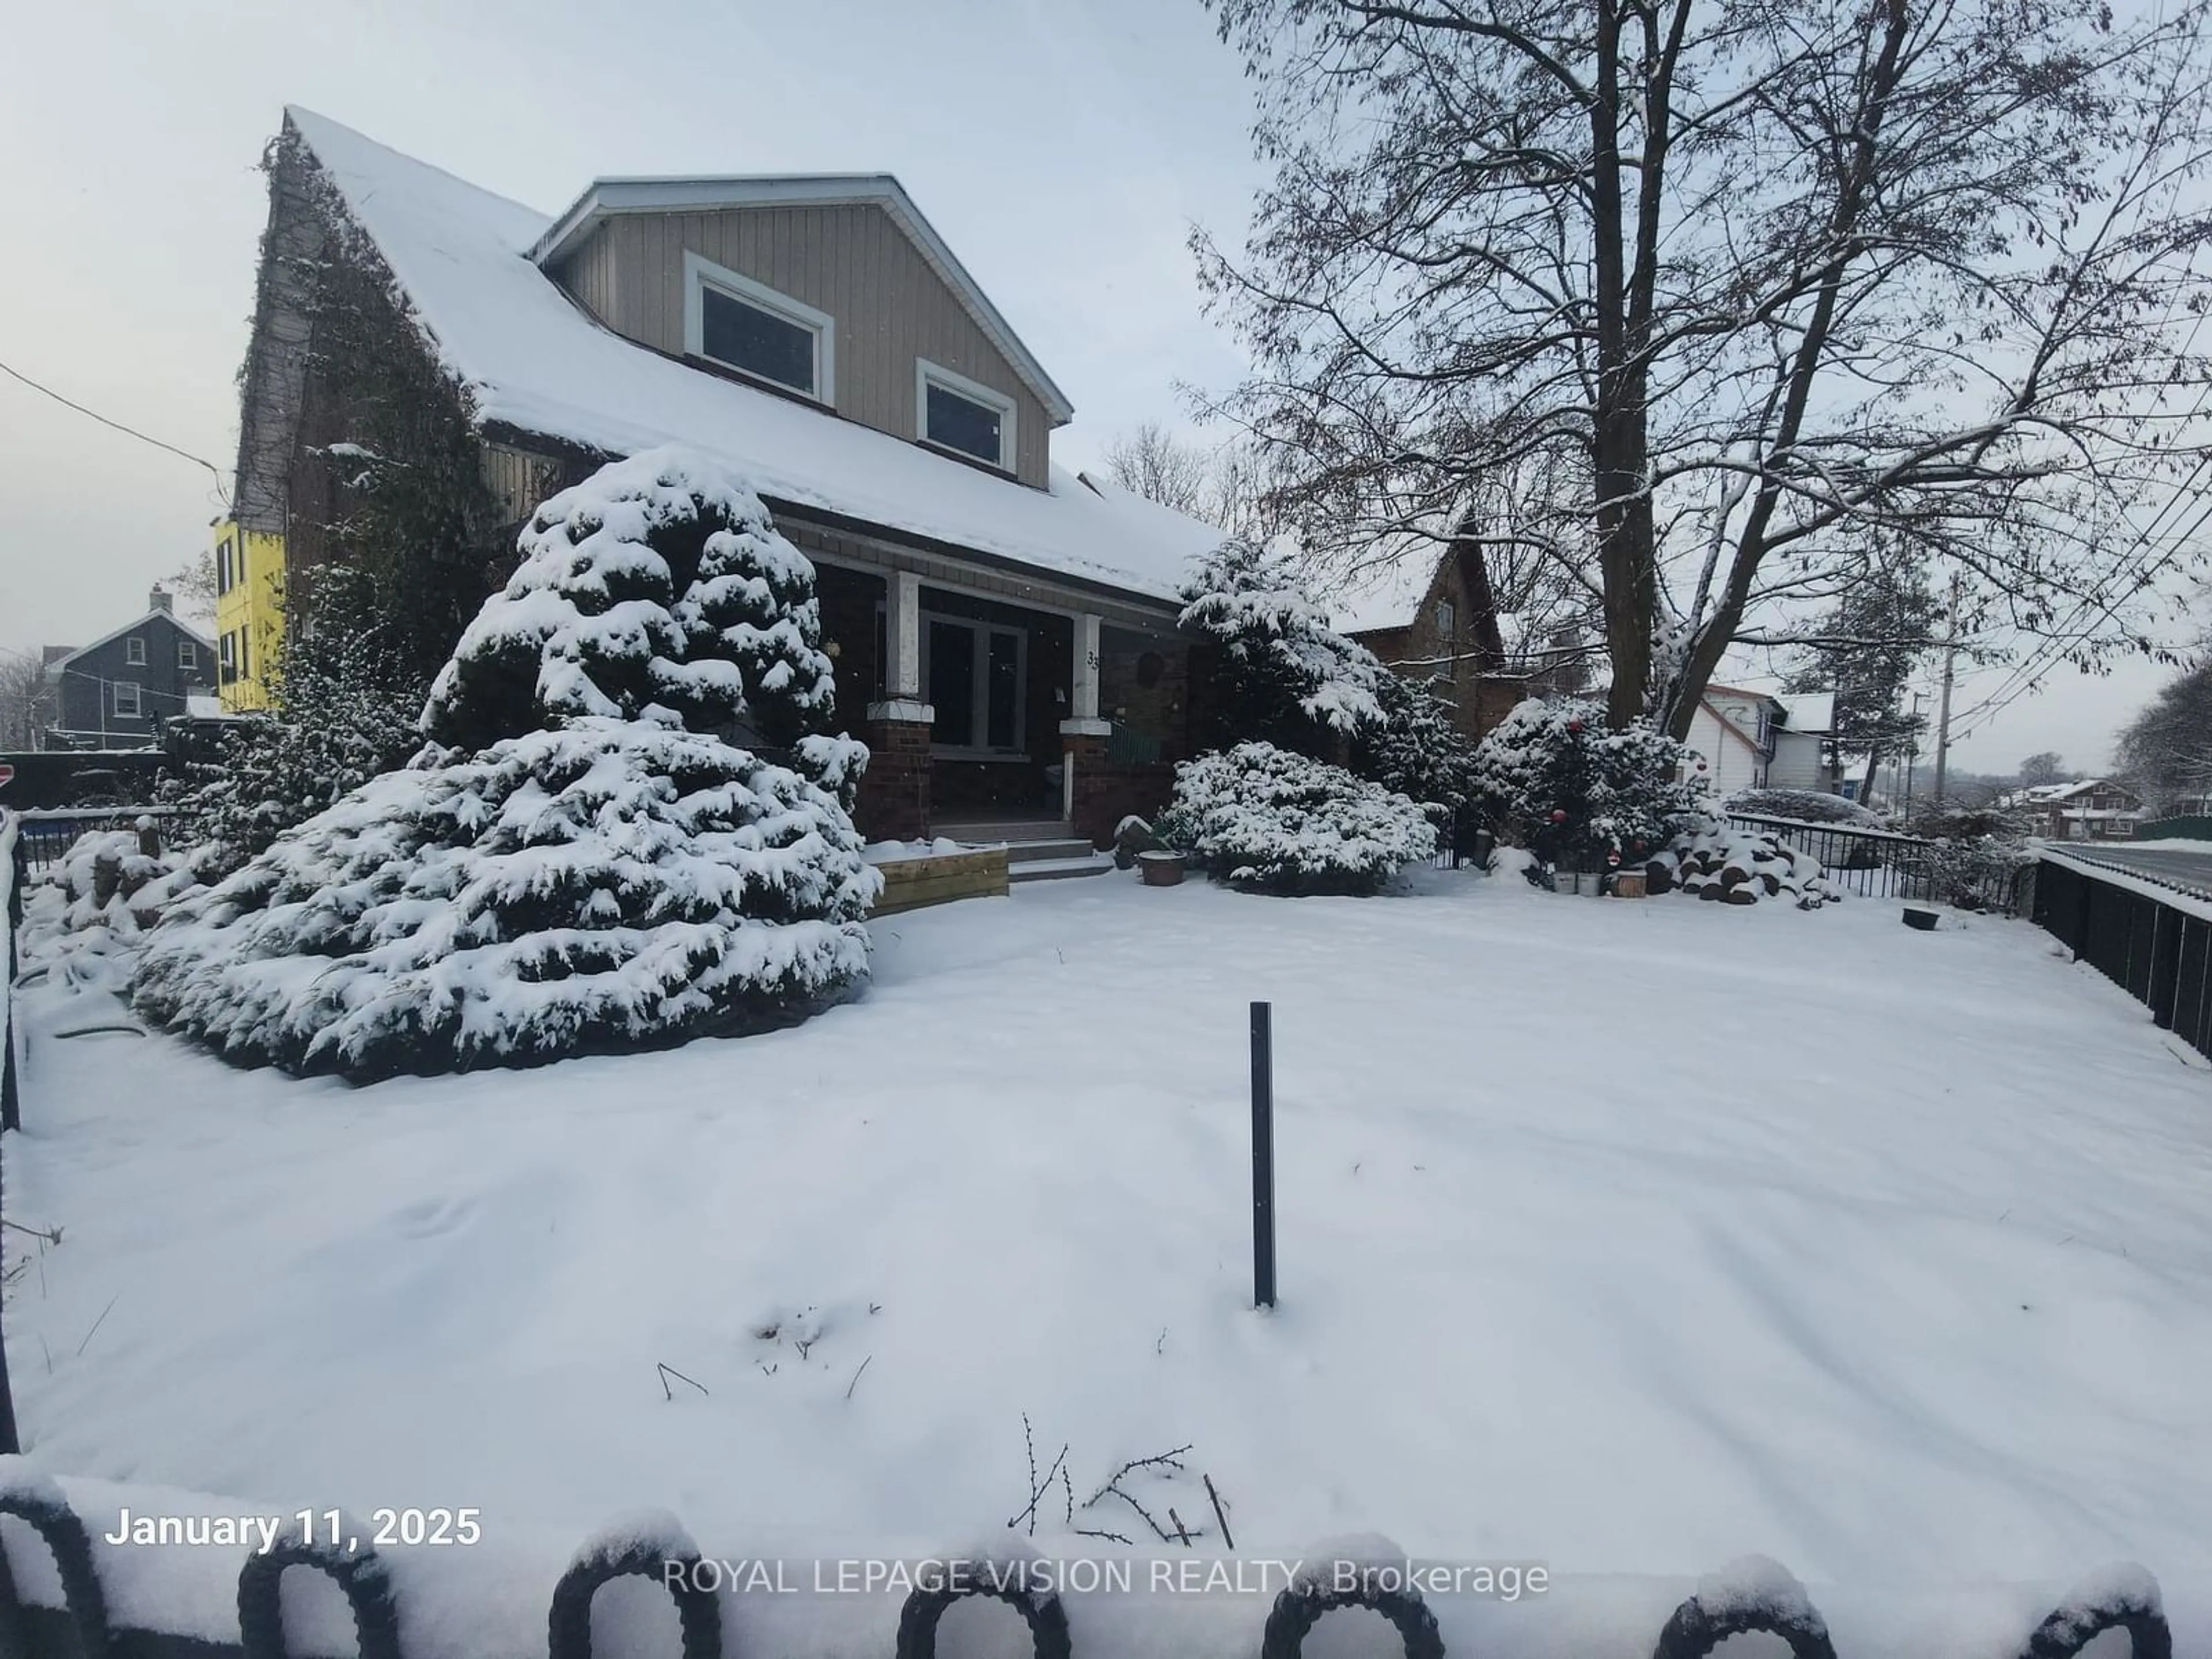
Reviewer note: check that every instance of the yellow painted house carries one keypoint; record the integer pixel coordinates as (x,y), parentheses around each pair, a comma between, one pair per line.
(249,613)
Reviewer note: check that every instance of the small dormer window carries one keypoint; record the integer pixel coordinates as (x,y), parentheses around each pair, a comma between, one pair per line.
(746,325)
(134,651)
(956,413)
(1445,617)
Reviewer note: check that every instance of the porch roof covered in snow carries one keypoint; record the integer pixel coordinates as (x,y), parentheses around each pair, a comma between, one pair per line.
(533,361)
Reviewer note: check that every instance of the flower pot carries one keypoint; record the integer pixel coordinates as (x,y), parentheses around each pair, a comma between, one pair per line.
(1158,869)
(1628,883)
(1924,921)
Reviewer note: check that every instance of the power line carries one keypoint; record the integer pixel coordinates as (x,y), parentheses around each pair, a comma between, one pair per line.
(222,494)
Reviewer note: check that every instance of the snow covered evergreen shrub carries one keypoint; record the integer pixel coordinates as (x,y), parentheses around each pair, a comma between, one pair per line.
(1284,676)
(1415,750)
(347,709)
(1268,820)
(1805,806)
(581,859)
(1550,777)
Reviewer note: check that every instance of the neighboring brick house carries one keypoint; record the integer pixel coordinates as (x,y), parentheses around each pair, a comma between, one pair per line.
(1428,611)
(116,692)
(2094,809)
(1005,631)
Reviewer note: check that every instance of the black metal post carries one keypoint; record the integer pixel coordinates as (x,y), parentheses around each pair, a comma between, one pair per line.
(1263,1156)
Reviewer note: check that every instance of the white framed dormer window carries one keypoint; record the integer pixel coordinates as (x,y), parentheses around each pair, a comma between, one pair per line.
(126,700)
(134,651)
(188,654)
(956,413)
(747,325)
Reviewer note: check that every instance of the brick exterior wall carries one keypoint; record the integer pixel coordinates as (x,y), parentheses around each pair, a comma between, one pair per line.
(1106,791)
(894,794)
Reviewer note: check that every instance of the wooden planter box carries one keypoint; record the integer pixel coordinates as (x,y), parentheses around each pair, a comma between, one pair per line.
(910,884)
(1628,883)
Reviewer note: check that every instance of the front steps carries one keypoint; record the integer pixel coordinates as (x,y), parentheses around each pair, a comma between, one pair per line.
(1036,849)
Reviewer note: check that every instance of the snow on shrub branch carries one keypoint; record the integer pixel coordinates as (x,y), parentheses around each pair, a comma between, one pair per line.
(584,858)
(1262,819)
(1282,664)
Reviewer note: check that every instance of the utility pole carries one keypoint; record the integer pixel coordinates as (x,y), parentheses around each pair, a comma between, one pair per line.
(1912,754)
(1943,703)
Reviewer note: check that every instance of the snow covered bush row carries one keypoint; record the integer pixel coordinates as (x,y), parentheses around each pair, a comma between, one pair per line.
(1715,860)
(1550,777)
(1265,819)
(583,857)
(87,911)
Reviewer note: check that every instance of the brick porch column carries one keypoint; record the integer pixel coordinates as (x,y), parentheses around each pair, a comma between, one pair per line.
(894,796)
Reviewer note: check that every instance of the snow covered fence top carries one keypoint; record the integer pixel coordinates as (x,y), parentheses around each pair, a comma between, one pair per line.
(106,1576)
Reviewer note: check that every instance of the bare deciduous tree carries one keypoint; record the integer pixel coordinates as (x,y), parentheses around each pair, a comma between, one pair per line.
(26,697)
(1161,467)
(1750,283)
(2165,752)
(1226,485)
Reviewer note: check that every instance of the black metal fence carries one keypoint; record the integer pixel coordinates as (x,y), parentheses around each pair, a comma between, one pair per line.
(2157,947)
(44,838)
(1872,863)
(2126,1600)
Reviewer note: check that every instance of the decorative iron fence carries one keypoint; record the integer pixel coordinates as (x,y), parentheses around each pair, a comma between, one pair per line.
(44,838)
(2153,943)
(1872,863)
(1775,1604)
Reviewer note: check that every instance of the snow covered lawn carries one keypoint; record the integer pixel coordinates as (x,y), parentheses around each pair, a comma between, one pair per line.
(1628,1237)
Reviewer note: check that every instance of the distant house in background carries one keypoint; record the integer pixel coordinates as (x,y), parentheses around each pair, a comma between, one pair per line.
(116,692)
(249,613)
(2094,809)
(1430,614)
(1765,739)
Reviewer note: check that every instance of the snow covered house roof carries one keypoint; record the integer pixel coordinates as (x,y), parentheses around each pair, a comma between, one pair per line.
(1386,594)
(533,360)
(1807,711)
(54,665)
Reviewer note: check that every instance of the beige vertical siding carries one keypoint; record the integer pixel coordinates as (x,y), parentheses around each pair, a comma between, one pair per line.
(851,261)
(589,274)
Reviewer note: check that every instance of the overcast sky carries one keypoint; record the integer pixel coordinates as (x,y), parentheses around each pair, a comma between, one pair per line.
(1064,147)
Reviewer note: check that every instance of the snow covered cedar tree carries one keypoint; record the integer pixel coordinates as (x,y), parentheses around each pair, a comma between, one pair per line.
(1263,819)
(1553,779)
(1284,677)
(581,859)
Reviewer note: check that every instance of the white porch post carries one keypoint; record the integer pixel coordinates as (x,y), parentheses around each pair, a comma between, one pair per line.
(1083,720)
(902,646)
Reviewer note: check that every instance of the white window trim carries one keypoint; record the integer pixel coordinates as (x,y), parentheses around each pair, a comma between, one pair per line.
(979,709)
(701,273)
(137,709)
(188,654)
(134,651)
(927,374)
